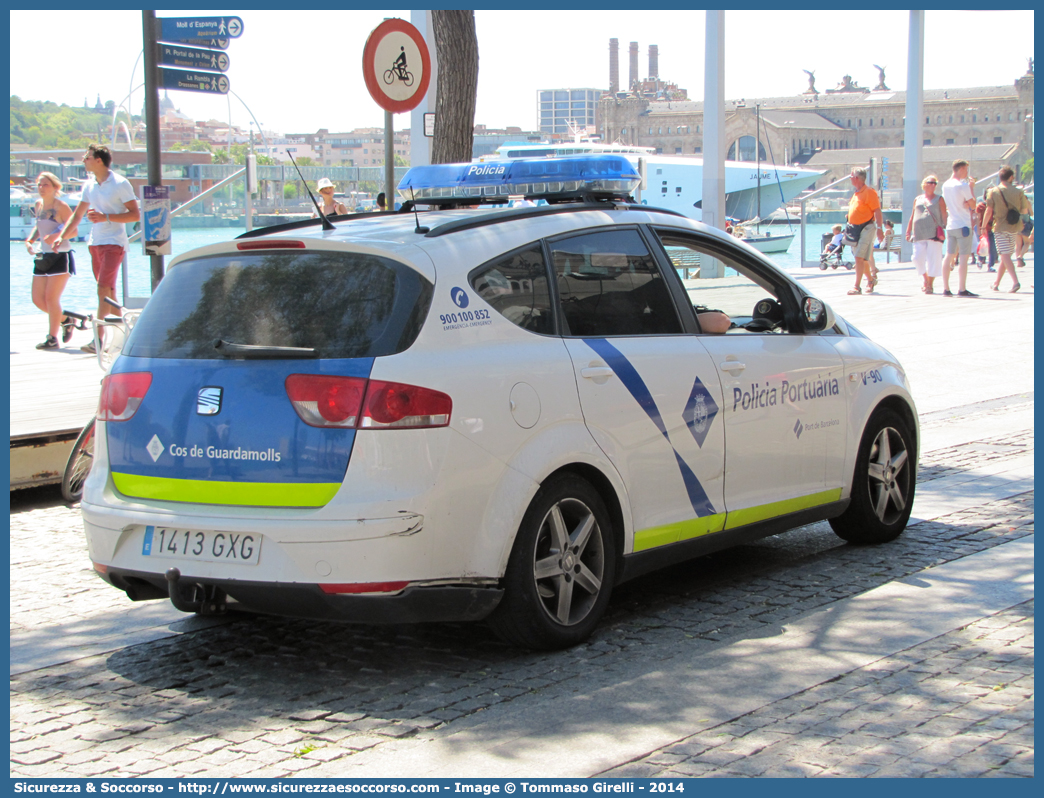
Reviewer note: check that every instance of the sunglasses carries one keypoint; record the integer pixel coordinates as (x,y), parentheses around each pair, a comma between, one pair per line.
(931,182)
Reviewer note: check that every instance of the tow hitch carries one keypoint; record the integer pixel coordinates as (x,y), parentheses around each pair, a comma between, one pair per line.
(203,599)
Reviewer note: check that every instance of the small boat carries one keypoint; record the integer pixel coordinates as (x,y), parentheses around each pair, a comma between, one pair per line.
(767,242)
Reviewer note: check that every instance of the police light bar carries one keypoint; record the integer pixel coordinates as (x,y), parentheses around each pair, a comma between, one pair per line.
(600,176)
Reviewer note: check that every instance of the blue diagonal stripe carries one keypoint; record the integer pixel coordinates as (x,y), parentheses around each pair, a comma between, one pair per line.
(636,386)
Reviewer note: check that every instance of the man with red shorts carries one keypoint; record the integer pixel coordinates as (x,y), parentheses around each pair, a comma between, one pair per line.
(109,202)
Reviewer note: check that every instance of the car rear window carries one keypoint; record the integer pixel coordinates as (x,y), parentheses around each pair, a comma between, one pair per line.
(341,304)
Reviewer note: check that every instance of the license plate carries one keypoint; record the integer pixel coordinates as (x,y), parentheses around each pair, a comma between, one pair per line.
(242,548)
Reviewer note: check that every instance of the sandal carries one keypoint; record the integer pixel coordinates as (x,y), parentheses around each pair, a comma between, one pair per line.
(995,288)
(1021,262)
(1015,288)
(855,291)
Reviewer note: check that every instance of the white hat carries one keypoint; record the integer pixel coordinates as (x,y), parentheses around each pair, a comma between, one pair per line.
(324,182)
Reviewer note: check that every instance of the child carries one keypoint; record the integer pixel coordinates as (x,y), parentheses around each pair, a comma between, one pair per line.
(835,242)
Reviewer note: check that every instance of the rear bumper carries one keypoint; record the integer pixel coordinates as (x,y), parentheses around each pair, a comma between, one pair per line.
(437,603)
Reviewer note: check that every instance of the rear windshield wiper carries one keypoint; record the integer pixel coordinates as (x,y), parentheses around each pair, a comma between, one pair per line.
(250,352)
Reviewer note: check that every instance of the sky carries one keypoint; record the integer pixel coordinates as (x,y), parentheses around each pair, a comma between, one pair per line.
(299,71)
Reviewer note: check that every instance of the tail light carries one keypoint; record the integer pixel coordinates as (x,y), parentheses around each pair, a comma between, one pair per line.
(354,402)
(394,405)
(324,401)
(121,395)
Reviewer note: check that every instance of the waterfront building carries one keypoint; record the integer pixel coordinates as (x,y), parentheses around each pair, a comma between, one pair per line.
(562,111)
(178,172)
(359,147)
(486,140)
(802,127)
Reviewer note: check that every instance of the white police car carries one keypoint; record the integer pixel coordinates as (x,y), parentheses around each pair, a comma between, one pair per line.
(481,413)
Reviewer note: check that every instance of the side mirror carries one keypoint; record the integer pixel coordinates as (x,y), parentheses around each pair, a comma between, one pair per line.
(816,315)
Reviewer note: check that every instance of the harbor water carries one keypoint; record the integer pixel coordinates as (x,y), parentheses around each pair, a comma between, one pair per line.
(81,294)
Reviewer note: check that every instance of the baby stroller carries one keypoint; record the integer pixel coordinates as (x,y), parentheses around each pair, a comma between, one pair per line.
(833,259)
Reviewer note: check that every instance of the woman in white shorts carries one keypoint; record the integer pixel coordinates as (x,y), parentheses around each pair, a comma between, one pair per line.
(929,216)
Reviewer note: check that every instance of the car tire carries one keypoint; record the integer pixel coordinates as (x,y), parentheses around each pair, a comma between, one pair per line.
(884,484)
(555,592)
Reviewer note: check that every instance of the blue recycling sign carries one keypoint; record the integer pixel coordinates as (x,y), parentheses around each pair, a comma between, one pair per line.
(180,29)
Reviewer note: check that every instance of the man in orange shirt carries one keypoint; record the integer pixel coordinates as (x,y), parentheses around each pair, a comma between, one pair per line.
(864,211)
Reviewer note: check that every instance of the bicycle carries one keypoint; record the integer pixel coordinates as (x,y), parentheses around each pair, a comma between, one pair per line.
(398,72)
(106,349)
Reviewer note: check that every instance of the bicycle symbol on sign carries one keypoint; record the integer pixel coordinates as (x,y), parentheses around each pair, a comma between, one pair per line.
(398,70)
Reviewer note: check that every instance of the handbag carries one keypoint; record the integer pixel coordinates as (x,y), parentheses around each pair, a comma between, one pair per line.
(853,231)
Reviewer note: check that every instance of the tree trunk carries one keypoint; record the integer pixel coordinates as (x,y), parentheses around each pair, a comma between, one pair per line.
(456,47)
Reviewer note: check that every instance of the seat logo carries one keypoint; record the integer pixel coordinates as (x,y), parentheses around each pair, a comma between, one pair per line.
(208,401)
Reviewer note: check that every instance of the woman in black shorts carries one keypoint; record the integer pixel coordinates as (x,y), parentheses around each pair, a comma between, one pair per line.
(51,270)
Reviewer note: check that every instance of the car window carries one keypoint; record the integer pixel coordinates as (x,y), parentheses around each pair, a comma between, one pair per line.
(609,284)
(516,286)
(342,305)
(743,292)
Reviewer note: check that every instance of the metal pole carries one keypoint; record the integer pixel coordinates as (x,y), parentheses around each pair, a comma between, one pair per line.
(152,125)
(912,150)
(249,205)
(389,163)
(714,130)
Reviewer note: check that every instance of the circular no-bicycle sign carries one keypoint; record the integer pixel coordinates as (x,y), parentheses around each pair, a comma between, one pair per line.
(396,66)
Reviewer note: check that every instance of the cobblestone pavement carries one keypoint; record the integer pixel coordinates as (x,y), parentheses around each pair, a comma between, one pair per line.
(958,706)
(274,697)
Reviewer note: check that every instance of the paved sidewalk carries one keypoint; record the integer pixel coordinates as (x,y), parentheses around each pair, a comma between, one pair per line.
(957,706)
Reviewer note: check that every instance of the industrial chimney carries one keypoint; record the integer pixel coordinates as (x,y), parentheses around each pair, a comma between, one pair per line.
(654,62)
(614,66)
(632,78)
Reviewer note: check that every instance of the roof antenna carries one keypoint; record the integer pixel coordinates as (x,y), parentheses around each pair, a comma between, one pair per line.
(416,216)
(326,222)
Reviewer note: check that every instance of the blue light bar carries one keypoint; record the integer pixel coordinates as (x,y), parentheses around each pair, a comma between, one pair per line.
(610,176)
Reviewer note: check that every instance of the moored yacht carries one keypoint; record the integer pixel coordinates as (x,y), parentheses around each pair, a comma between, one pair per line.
(676,182)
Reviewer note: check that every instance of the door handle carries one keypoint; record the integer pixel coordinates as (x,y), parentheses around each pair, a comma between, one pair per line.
(732,365)
(596,371)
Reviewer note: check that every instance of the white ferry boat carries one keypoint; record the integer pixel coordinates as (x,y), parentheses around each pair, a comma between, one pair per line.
(676,182)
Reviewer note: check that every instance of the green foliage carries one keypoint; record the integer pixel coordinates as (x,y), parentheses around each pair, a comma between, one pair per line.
(306,161)
(289,191)
(46,124)
(1026,175)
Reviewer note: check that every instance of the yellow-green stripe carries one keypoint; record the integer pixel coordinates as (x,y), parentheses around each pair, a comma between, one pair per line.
(254,494)
(762,512)
(697,527)
(681,530)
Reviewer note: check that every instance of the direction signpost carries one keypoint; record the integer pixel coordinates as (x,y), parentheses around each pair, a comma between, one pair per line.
(195,45)
(211,82)
(192,58)
(180,29)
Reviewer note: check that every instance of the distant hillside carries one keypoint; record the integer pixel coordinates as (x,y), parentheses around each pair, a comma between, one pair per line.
(43,124)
